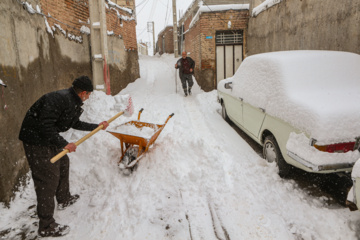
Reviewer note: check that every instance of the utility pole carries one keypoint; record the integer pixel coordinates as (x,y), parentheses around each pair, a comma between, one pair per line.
(151,28)
(175,29)
(154,47)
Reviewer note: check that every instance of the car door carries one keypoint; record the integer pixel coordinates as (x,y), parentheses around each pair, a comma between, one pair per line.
(234,108)
(253,119)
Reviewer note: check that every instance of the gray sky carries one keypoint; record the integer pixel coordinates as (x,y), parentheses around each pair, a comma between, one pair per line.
(158,11)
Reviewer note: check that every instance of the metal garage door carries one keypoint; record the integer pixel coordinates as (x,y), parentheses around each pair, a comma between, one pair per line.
(228,53)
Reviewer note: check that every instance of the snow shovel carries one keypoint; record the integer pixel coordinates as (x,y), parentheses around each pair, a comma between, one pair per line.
(129,111)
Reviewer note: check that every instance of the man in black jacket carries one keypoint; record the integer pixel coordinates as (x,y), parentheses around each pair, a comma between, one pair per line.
(53,113)
(186,66)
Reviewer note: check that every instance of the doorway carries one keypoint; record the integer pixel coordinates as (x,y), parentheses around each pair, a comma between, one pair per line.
(229,53)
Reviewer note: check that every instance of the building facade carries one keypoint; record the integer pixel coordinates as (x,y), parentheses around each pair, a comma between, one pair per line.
(213,33)
(142,48)
(165,41)
(126,3)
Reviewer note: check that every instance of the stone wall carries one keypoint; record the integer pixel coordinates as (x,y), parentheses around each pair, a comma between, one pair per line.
(306,24)
(34,61)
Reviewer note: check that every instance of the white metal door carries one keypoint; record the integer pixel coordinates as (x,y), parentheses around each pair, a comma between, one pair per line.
(229,61)
(228,53)
(237,57)
(220,63)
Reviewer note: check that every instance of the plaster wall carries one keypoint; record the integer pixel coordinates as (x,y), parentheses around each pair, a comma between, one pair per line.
(306,24)
(34,62)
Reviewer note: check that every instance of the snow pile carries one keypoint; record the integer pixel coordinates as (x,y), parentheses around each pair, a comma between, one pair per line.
(263,6)
(117,6)
(29,8)
(130,129)
(60,28)
(314,91)
(85,29)
(2,83)
(48,28)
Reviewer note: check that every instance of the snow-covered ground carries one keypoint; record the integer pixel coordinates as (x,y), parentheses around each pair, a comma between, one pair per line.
(201,180)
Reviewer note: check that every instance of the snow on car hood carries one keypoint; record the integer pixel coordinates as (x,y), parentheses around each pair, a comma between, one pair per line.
(315,91)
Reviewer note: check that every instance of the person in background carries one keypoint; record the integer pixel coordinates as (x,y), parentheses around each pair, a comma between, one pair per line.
(53,113)
(186,70)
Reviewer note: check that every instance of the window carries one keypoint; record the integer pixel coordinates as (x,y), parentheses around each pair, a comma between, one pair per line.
(229,37)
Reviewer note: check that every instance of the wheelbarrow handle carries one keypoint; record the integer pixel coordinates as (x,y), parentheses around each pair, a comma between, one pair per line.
(140,113)
(65,151)
(170,116)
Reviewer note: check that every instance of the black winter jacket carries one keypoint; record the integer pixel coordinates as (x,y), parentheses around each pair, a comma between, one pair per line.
(179,65)
(53,113)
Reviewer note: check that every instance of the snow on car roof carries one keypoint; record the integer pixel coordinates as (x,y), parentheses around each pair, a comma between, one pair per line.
(316,91)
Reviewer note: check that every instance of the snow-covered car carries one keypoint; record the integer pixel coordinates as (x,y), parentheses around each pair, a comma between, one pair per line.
(303,107)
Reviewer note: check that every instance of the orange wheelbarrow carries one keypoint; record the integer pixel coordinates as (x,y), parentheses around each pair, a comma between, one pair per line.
(134,146)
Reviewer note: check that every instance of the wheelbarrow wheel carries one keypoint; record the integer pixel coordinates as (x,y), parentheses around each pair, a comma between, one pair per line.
(129,156)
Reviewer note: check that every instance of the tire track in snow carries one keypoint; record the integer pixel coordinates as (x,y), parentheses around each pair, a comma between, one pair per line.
(202,131)
(219,230)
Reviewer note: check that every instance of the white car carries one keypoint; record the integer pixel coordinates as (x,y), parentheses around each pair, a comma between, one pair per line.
(303,107)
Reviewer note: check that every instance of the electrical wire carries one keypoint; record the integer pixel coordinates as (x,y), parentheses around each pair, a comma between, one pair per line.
(152,9)
(166,15)
(143,7)
(141,3)
(142,32)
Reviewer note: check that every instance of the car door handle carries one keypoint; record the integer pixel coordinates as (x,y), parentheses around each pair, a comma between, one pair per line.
(241,99)
(263,110)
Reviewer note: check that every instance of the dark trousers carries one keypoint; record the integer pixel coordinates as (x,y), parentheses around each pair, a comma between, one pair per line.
(50,180)
(186,78)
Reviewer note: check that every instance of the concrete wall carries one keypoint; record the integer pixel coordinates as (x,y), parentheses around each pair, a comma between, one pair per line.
(34,62)
(306,24)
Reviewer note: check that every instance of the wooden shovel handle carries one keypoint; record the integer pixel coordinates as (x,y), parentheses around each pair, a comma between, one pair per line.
(65,151)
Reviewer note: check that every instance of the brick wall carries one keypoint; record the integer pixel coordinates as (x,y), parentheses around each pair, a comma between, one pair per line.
(165,42)
(71,15)
(125,3)
(203,50)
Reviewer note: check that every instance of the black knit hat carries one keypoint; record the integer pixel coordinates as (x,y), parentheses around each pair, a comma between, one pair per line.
(84,83)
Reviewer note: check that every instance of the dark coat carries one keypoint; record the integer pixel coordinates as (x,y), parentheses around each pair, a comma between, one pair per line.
(179,65)
(53,113)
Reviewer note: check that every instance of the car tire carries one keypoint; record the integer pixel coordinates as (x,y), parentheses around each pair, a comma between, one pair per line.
(271,153)
(223,112)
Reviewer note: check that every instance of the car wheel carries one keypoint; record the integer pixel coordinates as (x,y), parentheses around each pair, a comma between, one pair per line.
(223,112)
(271,153)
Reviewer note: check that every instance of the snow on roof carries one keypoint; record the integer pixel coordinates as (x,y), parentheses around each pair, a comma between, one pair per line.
(164,29)
(217,8)
(188,9)
(263,6)
(316,91)
(117,6)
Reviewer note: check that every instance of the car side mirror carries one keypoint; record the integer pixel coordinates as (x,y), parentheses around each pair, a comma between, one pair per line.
(228,85)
